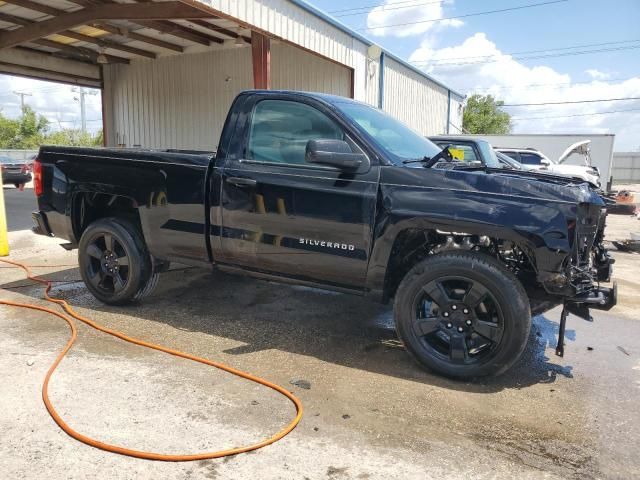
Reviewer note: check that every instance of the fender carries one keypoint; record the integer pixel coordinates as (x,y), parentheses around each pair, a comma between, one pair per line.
(534,215)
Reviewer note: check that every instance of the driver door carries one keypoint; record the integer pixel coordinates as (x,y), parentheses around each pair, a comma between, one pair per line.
(284,216)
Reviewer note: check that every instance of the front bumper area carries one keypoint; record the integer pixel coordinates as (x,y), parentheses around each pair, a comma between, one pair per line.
(41,226)
(601,298)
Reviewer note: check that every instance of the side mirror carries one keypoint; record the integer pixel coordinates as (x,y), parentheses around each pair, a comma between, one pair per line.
(545,162)
(333,152)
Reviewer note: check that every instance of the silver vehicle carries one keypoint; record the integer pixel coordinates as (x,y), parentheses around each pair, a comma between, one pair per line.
(532,159)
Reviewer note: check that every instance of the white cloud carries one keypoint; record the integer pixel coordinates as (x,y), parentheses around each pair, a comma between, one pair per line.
(54,101)
(597,74)
(392,14)
(478,66)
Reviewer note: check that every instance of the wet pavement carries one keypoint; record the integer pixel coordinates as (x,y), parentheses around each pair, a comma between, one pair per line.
(370,412)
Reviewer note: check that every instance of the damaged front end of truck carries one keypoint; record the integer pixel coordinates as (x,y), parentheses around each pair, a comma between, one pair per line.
(584,269)
(548,231)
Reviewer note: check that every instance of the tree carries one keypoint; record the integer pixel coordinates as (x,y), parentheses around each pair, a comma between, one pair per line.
(32,130)
(73,138)
(482,115)
(26,132)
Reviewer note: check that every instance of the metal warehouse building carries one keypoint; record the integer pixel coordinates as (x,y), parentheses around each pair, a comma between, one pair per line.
(170,69)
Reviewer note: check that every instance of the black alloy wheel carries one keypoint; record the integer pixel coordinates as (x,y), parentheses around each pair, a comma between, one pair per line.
(459,319)
(114,261)
(462,315)
(108,264)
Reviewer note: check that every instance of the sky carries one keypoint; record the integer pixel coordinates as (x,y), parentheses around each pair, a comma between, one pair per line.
(562,50)
(526,55)
(58,103)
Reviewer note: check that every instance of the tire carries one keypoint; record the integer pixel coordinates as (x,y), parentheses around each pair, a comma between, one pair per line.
(462,315)
(114,262)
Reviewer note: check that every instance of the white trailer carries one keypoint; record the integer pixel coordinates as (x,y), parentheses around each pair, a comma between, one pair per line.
(554,145)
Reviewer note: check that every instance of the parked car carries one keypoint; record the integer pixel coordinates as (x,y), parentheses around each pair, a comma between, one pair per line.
(470,150)
(324,191)
(531,159)
(14,172)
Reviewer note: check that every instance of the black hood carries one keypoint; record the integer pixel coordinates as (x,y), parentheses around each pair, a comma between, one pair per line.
(507,183)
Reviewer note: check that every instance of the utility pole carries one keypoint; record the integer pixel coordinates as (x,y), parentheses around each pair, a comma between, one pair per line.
(22,95)
(82,93)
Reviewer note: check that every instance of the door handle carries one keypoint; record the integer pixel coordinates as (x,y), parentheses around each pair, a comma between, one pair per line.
(241,182)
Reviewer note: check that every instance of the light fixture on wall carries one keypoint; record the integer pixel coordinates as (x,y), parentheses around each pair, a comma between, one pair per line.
(239,42)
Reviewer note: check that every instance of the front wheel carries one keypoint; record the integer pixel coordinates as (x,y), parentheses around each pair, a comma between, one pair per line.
(114,262)
(463,315)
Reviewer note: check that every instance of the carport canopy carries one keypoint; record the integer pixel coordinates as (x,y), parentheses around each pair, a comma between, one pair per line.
(68,40)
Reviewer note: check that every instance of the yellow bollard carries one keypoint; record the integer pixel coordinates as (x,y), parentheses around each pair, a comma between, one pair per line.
(4,237)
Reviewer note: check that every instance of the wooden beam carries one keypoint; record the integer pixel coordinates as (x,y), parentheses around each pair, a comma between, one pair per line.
(107,27)
(120,11)
(123,32)
(83,38)
(209,26)
(103,43)
(165,27)
(77,51)
(261,56)
(220,30)
(81,52)
(29,62)
(38,7)
(179,31)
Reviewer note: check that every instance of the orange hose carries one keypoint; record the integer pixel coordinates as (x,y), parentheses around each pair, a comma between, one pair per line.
(127,451)
(48,266)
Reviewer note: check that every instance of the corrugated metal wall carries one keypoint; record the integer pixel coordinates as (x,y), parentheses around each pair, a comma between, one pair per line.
(626,167)
(414,99)
(182,101)
(290,22)
(178,101)
(295,69)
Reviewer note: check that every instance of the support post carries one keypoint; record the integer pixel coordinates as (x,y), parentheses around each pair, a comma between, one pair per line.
(261,55)
(4,237)
(448,111)
(381,83)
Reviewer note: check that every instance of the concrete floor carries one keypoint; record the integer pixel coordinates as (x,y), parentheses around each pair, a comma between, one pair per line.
(370,412)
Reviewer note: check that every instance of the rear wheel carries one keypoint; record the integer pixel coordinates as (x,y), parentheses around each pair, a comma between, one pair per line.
(114,262)
(463,315)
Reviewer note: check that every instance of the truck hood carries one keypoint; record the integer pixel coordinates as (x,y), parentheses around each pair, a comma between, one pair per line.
(525,185)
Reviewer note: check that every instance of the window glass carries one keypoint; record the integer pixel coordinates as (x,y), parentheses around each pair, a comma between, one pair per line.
(466,152)
(530,159)
(395,138)
(513,155)
(280,130)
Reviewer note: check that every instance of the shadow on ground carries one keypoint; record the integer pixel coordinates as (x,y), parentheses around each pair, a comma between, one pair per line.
(335,328)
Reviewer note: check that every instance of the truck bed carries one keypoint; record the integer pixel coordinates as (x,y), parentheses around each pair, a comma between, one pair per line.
(166,187)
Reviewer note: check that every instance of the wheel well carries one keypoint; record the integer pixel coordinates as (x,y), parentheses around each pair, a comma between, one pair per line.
(414,245)
(87,207)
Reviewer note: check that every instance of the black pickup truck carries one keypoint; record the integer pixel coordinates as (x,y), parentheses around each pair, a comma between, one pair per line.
(328,192)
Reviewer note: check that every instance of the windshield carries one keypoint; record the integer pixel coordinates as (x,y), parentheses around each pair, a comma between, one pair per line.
(505,159)
(4,159)
(396,139)
(488,154)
